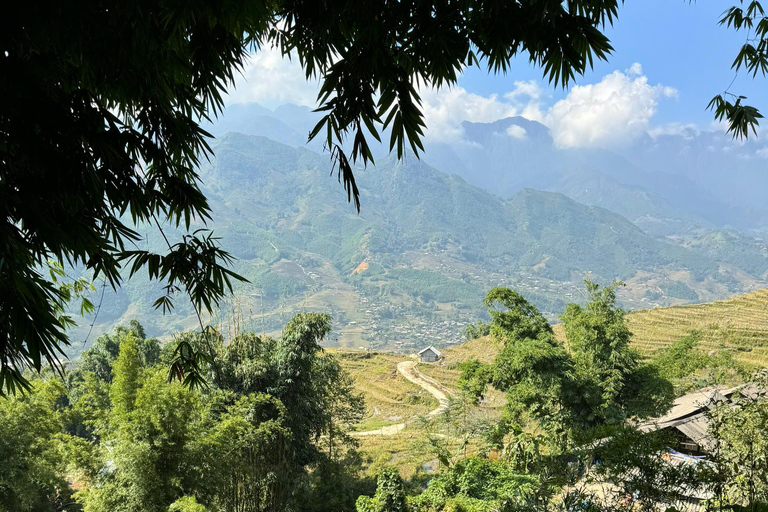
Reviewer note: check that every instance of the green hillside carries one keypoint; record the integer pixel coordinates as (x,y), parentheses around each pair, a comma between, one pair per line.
(412,268)
(739,324)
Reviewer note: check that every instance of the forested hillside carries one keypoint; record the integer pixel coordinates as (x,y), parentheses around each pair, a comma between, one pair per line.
(425,243)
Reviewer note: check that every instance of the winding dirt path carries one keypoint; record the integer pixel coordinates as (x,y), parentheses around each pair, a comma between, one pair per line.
(408,370)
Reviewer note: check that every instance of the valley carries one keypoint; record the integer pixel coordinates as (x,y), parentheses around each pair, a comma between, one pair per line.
(412,268)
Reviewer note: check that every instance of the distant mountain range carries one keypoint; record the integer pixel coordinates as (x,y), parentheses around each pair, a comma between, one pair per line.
(413,266)
(670,184)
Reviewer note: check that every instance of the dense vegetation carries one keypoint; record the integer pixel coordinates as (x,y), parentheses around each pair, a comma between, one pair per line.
(269,430)
(272,425)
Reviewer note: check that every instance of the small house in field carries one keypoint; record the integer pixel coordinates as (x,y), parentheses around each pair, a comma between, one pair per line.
(429,354)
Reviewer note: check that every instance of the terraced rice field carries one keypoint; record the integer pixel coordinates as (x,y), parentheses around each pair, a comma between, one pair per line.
(739,323)
(389,397)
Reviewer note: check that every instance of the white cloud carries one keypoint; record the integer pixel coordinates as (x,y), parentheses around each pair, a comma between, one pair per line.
(446,109)
(271,80)
(517,132)
(531,89)
(687,130)
(635,69)
(608,113)
(611,112)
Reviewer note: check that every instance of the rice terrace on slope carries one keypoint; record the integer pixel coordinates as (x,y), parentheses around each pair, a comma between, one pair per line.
(390,428)
(739,324)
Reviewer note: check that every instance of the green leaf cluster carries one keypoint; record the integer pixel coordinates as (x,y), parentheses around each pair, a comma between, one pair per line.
(573,391)
(100,123)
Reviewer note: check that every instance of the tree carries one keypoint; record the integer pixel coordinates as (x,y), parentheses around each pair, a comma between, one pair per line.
(598,339)
(739,473)
(689,368)
(477,484)
(100,112)
(31,468)
(574,391)
(246,457)
(319,398)
(301,383)
(126,373)
(472,331)
(186,504)
(532,368)
(102,355)
(752,58)
(390,494)
(633,474)
(616,385)
(148,456)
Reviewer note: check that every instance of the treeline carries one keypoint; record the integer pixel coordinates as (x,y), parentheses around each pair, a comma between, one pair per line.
(266,431)
(263,424)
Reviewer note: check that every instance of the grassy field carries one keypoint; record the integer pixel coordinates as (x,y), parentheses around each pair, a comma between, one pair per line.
(739,324)
(389,397)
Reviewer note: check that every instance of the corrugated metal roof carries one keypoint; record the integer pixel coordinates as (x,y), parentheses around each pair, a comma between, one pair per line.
(697,430)
(688,414)
(433,349)
(687,406)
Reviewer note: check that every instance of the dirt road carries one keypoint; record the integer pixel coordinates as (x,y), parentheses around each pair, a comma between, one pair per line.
(408,370)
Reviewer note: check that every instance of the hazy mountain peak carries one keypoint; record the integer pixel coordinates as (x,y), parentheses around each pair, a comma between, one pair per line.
(515,128)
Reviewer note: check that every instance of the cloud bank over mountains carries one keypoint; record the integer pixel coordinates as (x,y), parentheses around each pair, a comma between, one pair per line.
(599,144)
(612,112)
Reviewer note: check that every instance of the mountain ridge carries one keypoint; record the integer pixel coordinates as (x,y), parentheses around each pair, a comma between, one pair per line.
(432,245)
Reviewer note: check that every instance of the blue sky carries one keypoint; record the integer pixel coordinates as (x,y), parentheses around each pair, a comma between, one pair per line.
(679,44)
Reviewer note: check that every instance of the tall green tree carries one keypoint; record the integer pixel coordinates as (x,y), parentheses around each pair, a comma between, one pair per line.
(31,467)
(100,357)
(598,340)
(245,457)
(532,368)
(148,455)
(573,390)
(319,397)
(101,105)
(126,374)
(615,385)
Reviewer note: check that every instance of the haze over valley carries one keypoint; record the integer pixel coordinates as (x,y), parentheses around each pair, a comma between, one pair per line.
(503,206)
